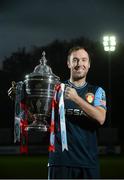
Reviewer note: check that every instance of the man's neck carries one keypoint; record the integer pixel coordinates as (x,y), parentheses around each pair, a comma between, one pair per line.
(78,83)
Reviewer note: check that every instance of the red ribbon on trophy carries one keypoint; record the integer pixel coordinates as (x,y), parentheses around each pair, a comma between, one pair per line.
(21,118)
(23,131)
(52,125)
(58,99)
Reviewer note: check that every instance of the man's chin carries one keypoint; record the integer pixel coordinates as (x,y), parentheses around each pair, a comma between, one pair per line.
(77,78)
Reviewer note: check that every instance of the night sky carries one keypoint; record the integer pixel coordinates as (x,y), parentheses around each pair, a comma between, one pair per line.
(28,23)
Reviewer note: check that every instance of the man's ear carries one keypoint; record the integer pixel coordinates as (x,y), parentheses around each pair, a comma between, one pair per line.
(68,64)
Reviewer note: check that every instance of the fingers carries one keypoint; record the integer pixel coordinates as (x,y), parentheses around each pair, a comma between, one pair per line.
(13,84)
(68,92)
(71,94)
(12,91)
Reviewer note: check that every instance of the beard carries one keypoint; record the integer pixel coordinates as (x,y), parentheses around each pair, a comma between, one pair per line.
(77,77)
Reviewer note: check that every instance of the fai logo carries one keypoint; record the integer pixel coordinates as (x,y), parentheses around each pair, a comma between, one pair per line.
(89,97)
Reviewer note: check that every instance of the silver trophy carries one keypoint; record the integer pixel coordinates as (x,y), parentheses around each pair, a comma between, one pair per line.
(40,87)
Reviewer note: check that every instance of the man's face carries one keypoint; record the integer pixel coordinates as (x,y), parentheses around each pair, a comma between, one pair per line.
(78,64)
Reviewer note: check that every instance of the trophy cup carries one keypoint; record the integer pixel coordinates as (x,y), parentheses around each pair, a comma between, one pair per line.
(39,88)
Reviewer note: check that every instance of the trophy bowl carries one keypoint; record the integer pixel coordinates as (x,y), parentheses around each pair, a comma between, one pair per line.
(39,88)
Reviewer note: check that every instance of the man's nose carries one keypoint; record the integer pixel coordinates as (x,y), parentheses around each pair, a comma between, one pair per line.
(79,62)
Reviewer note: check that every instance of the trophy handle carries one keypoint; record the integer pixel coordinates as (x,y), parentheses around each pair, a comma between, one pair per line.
(12,90)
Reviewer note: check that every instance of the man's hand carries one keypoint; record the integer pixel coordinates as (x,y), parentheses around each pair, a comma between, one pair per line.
(12,90)
(71,93)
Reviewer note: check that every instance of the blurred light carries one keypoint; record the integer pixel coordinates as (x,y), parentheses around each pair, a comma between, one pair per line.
(112,38)
(112,48)
(105,43)
(109,43)
(106,38)
(106,48)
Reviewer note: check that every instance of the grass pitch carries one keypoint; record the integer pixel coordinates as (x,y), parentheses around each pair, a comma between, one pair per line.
(35,166)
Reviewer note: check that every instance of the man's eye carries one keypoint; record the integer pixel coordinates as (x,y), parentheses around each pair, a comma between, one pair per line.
(84,59)
(75,59)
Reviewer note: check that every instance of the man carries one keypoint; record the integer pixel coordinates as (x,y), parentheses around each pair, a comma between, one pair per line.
(85,110)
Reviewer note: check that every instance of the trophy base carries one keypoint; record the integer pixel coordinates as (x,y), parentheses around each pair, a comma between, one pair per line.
(37,126)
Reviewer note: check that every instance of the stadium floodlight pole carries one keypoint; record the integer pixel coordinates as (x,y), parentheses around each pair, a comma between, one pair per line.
(109,43)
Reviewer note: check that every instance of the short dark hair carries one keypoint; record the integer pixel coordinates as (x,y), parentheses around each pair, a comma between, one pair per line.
(76,48)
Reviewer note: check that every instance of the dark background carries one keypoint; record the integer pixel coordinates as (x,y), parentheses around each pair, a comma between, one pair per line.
(22,62)
(29,27)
